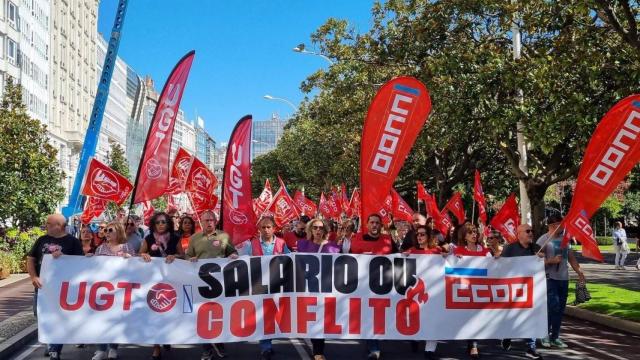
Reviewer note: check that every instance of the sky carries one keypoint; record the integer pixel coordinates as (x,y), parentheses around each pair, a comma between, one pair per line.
(243,50)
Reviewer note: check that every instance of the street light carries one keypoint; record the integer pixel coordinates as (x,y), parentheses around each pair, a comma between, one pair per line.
(301,49)
(269,97)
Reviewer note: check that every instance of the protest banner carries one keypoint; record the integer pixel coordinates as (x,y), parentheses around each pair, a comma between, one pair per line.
(117,300)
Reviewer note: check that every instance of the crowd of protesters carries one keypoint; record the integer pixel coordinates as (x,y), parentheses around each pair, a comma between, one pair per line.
(171,236)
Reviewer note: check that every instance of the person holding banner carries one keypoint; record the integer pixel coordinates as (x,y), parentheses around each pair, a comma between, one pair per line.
(409,240)
(186,229)
(468,245)
(373,242)
(267,244)
(55,242)
(523,247)
(557,269)
(494,243)
(87,238)
(317,241)
(291,238)
(427,242)
(210,244)
(134,239)
(347,231)
(161,242)
(115,245)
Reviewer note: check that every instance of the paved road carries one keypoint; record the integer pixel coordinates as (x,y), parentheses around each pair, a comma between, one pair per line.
(586,341)
(607,274)
(15,298)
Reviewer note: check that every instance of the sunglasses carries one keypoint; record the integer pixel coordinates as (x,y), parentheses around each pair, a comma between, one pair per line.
(161,222)
(528,231)
(110,230)
(130,224)
(421,234)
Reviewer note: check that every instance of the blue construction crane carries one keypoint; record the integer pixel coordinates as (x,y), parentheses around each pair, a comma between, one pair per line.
(97,113)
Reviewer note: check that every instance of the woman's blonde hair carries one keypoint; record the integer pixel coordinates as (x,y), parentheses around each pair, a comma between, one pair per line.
(121,238)
(325,226)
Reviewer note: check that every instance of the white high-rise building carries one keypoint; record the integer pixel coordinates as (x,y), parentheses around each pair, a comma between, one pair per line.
(24,52)
(73,78)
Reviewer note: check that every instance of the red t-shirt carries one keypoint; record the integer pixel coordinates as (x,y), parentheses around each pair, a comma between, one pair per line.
(431,251)
(463,251)
(291,239)
(383,245)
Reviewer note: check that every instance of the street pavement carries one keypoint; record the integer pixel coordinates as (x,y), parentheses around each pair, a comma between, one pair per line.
(585,340)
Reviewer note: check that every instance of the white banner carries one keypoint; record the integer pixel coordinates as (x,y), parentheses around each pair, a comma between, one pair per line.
(115,300)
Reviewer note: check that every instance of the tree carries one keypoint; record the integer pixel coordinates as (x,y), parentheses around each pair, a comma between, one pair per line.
(622,17)
(30,177)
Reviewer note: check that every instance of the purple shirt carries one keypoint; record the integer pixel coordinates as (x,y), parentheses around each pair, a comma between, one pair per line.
(308,246)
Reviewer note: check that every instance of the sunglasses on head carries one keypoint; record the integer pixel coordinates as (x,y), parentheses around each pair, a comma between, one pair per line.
(161,222)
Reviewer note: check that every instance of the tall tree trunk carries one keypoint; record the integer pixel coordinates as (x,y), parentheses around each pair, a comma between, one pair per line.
(536,193)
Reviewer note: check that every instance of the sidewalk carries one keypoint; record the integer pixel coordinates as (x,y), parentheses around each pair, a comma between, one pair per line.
(17,323)
(605,273)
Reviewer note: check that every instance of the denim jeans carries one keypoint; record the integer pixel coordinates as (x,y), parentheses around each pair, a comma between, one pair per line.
(52,347)
(557,292)
(265,345)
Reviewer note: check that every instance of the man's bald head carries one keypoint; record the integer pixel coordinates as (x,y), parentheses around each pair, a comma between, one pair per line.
(525,233)
(55,225)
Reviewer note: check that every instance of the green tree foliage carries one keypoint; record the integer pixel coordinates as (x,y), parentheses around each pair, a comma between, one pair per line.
(29,174)
(572,70)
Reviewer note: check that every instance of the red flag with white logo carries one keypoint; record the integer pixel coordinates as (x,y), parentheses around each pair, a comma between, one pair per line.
(456,207)
(332,201)
(324,207)
(401,210)
(386,210)
(282,207)
(305,206)
(396,116)
(201,202)
(478,196)
(612,152)
(93,208)
(577,225)
(147,212)
(153,172)
(344,200)
(200,185)
(354,203)
(180,171)
(422,192)
(105,183)
(238,218)
(264,200)
(507,219)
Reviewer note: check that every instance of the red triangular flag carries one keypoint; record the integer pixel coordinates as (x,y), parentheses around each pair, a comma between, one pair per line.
(507,219)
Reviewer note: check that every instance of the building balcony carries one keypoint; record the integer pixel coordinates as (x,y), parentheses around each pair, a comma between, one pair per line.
(74,138)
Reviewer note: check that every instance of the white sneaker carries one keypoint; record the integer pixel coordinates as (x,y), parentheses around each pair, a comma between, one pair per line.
(113,354)
(99,355)
(617,267)
(623,268)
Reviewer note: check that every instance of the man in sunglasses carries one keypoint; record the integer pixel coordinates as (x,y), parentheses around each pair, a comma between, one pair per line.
(525,246)
(134,239)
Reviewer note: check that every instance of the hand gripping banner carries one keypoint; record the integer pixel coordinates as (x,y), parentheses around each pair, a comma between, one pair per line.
(330,296)
(153,175)
(236,212)
(396,116)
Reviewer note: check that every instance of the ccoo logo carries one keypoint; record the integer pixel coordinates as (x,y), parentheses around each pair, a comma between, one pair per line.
(161,297)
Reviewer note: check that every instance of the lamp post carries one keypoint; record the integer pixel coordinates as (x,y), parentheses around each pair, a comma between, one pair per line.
(269,97)
(301,49)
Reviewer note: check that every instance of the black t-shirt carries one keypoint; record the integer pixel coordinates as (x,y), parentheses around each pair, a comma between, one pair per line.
(515,249)
(46,244)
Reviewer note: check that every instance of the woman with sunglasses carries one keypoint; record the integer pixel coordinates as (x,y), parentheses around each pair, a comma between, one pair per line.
(163,242)
(426,241)
(186,229)
(495,243)
(468,245)
(115,245)
(100,235)
(317,241)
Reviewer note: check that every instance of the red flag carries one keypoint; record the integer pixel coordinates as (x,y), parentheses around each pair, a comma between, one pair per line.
(354,203)
(478,196)
(153,173)
(93,208)
(386,209)
(147,212)
(324,207)
(401,210)
(395,118)
(105,183)
(332,201)
(422,192)
(444,223)
(201,201)
(456,207)
(612,152)
(180,171)
(305,206)
(577,224)
(344,200)
(238,218)
(200,178)
(264,200)
(507,219)
(282,207)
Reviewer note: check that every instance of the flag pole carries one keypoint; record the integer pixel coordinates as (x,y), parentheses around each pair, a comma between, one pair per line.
(473,212)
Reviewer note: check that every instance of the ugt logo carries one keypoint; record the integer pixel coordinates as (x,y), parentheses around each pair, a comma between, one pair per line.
(470,288)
